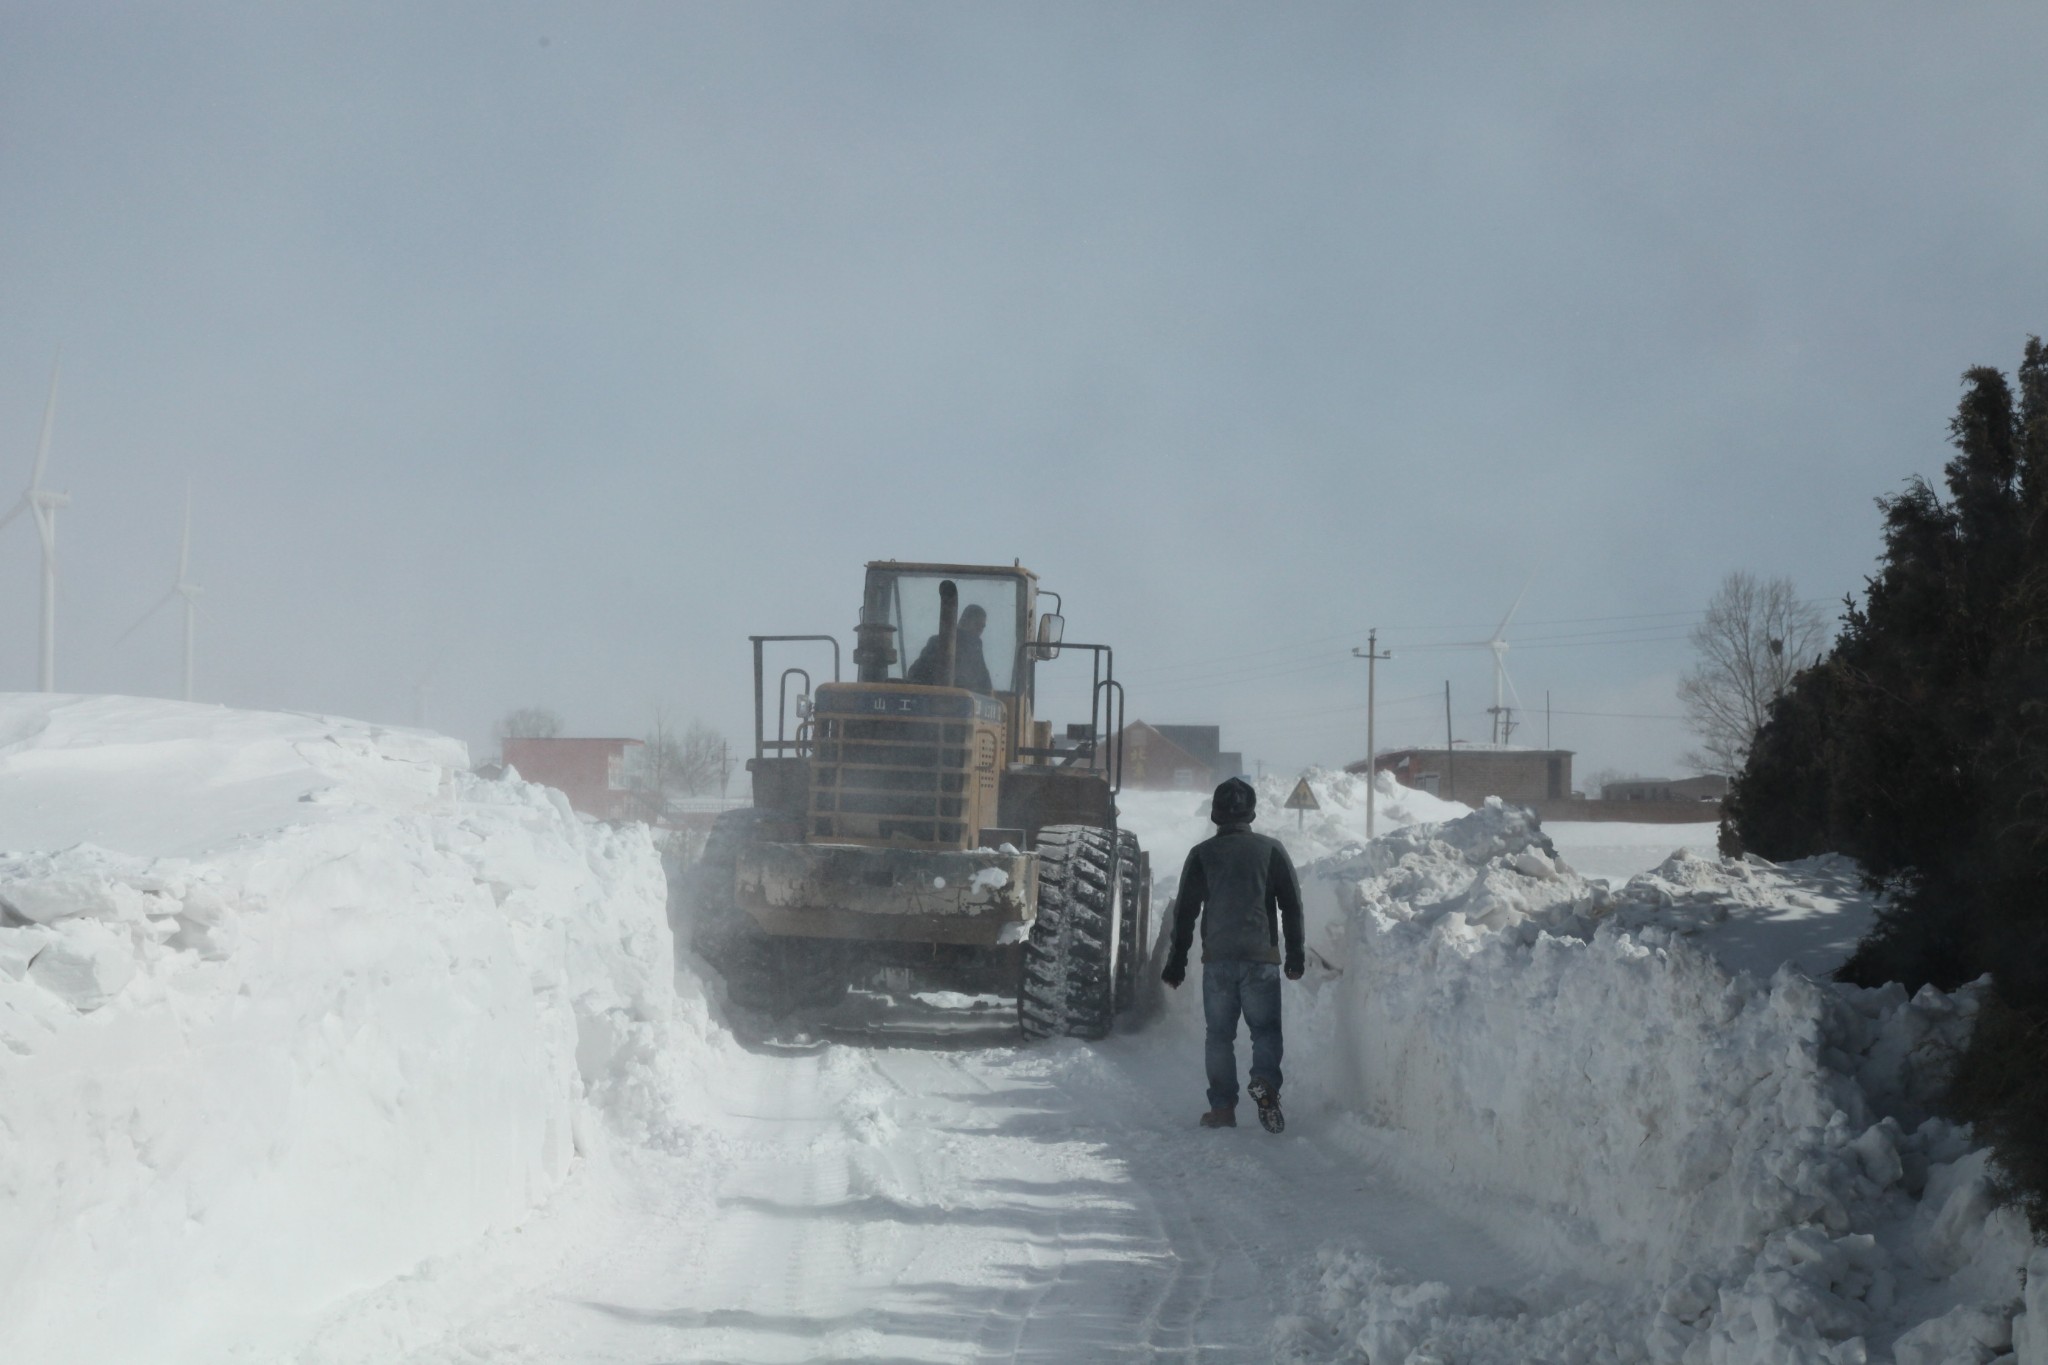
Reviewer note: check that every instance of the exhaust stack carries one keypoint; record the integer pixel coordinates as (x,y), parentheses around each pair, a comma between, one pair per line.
(949,629)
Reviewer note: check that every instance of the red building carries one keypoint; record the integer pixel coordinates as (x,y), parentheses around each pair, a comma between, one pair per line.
(590,772)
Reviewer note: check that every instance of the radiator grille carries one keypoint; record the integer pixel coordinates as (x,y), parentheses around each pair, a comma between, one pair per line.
(902,778)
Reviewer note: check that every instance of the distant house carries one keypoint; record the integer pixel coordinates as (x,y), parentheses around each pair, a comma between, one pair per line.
(1710,787)
(1177,757)
(590,772)
(1472,772)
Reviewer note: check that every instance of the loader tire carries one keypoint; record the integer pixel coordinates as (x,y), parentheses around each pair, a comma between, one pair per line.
(707,917)
(1134,894)
(1070,959)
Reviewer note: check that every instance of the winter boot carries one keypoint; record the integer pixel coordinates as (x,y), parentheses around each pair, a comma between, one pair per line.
(1268,1100)
(1220,1118)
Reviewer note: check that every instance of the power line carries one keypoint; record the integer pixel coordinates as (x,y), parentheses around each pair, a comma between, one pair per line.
(1282,667)
(1669,620)
(1246,653)
(1604,644)
(1664,621)
(1305,642)
(1347,708)
(1261,673)
(1555,642)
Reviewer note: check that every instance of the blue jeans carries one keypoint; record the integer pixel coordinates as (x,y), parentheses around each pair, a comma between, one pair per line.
(1228,990)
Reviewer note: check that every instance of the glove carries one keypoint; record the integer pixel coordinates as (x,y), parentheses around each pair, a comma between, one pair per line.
(1293,969)
(1175,973)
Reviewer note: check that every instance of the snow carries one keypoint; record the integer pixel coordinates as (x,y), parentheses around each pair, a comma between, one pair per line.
(1608,1080)
(1615,850)
(288,1004)
(316,1047)
(1169,823)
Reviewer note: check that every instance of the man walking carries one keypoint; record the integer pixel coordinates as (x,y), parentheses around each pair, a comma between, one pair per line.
(1242,887)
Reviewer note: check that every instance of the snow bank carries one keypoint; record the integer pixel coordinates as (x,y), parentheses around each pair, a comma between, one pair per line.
(1615,850)
(287,1004)
(1578,1067)
(1169,823)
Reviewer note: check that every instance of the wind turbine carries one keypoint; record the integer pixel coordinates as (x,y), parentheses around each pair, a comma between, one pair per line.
(1503,685)
(183,587)
(42,504)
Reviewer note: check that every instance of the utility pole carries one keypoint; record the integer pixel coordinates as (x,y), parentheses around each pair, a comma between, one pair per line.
(1372,656)
(1546,718)
(1450,756)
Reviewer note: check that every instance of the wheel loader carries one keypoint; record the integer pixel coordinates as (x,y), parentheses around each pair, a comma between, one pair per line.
(919,827)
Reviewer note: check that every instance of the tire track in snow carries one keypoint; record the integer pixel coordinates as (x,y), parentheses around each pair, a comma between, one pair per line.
(1122,1270)
(1051,1203)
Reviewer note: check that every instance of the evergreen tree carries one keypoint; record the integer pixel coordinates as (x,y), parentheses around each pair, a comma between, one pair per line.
(1920,747)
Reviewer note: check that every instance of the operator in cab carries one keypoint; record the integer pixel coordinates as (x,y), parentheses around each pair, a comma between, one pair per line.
(970,668)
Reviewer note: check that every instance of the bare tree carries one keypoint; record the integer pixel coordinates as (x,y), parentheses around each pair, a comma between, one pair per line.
(1755,637)
(704,759)
(669,765)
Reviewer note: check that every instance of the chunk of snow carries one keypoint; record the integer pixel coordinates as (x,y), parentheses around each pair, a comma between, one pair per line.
(85,964)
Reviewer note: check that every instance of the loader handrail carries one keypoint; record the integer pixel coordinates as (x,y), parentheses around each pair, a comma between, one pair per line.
(1105,705)
(782,704)
(762,744)
(1113,754)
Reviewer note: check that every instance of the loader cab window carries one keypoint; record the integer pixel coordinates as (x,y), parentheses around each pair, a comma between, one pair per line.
(910,602)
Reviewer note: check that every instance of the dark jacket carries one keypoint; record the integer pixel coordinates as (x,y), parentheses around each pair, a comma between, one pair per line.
(1246,885)
(970,669)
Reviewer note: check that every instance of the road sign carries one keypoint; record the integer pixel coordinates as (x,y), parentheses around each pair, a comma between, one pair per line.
(1302,799)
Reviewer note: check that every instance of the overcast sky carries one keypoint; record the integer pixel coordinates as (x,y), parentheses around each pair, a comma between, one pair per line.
(527,354)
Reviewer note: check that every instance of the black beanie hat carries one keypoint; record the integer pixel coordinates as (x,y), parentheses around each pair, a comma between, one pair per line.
(1234,803)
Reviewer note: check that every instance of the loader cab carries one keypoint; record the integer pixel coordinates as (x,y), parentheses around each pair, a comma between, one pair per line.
(899,756)
(905,598)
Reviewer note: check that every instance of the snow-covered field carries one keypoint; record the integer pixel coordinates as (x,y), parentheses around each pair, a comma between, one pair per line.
(320,1049)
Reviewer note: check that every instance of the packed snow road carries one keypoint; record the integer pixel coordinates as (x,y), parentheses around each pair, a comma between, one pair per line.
(961,1198)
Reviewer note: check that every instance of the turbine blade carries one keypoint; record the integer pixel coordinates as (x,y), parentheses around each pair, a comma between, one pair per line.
(46,527)
(49,420)
(1502,628)
(16,510)
(185,541)
(155,607)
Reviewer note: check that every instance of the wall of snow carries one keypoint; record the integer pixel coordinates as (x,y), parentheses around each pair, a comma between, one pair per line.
(1580,1072)
(287,1004)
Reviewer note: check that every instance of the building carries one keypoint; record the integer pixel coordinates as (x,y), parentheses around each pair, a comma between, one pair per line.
(1708,787)
(590,772)
(1472,772)
(1177,757)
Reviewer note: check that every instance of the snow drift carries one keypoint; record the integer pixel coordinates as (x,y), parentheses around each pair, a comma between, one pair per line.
(287,1004)
(1169,823)
(1578,1068)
